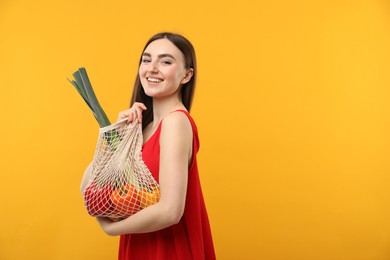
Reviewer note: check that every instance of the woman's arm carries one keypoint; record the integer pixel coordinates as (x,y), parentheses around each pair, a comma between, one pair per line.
(175,154)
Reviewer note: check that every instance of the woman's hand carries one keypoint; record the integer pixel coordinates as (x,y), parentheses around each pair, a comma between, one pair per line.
(106,224)
(133,114)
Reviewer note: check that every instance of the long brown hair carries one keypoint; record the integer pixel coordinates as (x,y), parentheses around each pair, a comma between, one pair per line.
(187,89)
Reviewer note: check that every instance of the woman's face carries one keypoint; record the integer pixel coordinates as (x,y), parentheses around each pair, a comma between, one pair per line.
(162,70)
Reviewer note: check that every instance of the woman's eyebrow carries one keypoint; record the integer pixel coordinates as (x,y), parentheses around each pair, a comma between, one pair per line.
(159,56)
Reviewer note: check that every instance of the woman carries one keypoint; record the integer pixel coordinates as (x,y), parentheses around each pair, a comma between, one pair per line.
(177,226)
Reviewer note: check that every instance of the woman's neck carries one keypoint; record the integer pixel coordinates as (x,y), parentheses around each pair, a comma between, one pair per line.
(161,107)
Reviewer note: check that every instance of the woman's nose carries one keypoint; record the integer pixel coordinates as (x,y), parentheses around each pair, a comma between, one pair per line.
(153,67)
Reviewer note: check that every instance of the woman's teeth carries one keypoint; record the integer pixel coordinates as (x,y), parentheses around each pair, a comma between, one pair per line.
(154,80)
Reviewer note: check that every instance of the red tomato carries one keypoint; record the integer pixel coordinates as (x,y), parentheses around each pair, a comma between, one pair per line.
(97,199)
(126,200)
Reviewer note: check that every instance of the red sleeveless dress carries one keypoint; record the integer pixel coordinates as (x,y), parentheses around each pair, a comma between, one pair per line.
(191,237)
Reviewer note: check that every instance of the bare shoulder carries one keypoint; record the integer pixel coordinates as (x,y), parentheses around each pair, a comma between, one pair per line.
(177,125)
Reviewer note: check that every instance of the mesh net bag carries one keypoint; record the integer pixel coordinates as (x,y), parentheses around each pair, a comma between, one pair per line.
(120,183)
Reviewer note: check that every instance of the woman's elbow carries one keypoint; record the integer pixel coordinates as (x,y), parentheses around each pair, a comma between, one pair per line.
(174,215)
(175,219)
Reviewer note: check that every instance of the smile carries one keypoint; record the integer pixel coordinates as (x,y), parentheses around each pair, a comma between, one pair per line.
(154,80)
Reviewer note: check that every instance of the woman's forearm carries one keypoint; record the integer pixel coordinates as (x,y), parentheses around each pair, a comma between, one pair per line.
(152,218)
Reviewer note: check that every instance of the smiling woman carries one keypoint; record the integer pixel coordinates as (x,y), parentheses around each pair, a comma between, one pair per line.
(176,226)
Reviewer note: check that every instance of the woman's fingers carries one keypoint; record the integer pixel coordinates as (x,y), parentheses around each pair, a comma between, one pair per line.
(138,114)
(138,109)
(142,105)
(134,113)
(125,114)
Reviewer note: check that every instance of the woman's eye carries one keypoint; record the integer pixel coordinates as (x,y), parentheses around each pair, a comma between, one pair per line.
(167,62)
(145,60)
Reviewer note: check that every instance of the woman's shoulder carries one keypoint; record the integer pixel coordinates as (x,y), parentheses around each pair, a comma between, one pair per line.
(178,126)
(177,120)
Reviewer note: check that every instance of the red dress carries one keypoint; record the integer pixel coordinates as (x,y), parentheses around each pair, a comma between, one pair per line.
(191,237)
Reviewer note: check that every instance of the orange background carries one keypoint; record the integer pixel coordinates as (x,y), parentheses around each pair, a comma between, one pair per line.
(292,105)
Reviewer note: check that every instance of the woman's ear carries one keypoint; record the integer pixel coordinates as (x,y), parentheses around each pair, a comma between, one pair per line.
(188,76)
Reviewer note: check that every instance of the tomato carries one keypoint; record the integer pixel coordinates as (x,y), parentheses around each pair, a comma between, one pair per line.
(97,199)
(126,200)
(149,197)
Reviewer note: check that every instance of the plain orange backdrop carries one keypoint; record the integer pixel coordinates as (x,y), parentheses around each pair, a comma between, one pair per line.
(292,105)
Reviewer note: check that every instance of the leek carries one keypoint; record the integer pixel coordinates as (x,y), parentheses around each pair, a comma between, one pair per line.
(83,86)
